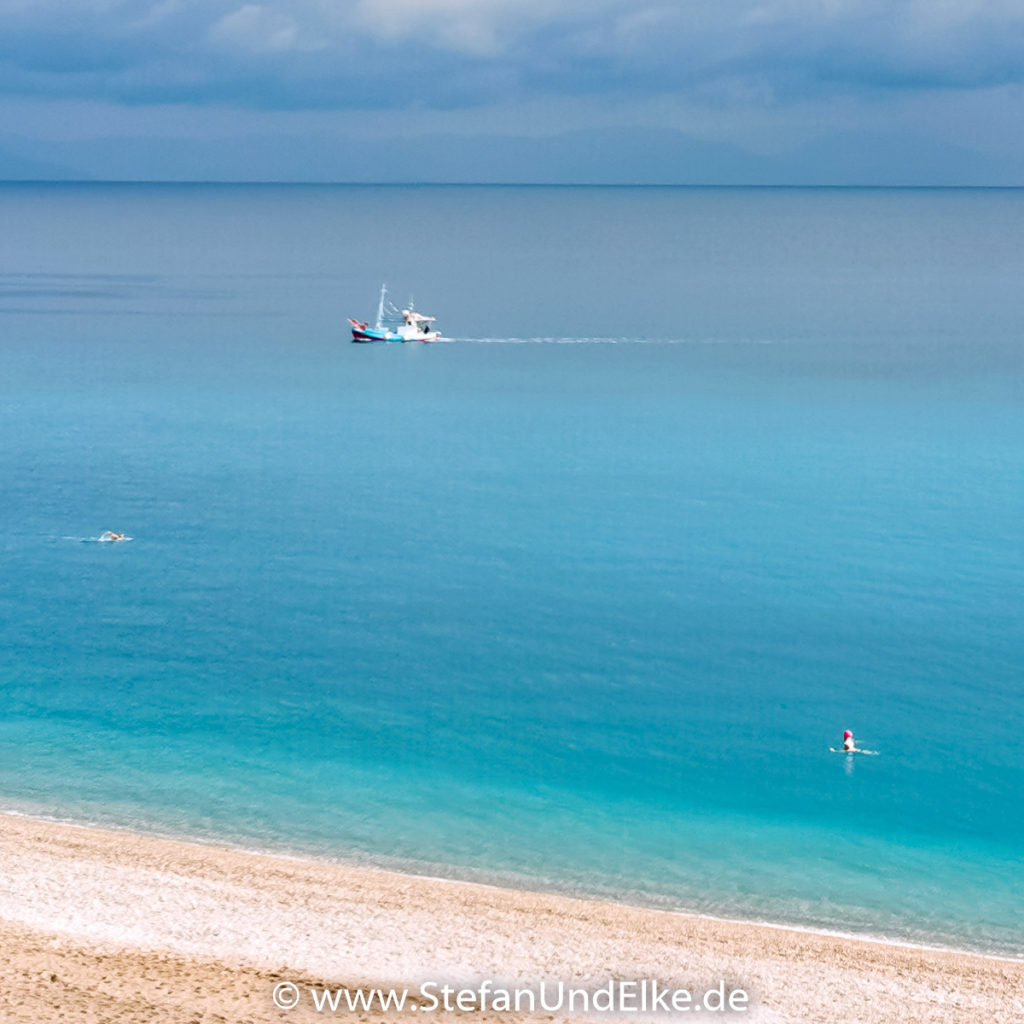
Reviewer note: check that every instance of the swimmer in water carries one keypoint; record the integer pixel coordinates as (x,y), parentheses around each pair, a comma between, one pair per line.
(849,744)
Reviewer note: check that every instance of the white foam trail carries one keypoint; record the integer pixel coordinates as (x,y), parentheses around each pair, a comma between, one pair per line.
(608,341)
(566,341)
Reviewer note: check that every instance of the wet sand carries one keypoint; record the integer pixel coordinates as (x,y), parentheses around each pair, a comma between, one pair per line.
(106,926)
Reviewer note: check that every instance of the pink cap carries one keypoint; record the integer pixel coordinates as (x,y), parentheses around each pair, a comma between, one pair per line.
(847,734)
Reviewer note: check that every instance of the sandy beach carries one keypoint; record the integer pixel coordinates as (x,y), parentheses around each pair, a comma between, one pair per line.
(107,926)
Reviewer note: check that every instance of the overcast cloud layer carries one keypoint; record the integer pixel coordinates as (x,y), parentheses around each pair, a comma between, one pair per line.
(296,54)
(792,61)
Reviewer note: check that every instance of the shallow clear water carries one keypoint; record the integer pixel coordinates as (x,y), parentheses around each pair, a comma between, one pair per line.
(581,597)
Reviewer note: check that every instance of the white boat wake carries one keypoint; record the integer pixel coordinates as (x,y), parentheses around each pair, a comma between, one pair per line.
(606,341)
(107,537)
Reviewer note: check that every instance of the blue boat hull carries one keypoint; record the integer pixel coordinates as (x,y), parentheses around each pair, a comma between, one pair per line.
(369,334)
(365,334)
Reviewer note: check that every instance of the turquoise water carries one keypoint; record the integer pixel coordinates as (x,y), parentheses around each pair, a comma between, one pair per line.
(579,599)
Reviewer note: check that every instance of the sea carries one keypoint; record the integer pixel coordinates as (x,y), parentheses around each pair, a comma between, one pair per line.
(577,599)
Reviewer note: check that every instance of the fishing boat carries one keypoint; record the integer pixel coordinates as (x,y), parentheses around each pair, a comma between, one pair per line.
(394,324)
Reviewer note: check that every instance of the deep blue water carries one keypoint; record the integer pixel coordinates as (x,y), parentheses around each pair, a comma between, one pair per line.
(580,599)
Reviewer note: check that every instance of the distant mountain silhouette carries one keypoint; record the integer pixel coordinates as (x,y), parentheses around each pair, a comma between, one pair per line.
(616,156)
(16,167)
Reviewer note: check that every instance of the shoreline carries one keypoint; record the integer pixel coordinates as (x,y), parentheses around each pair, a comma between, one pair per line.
(503,883)
(107,909)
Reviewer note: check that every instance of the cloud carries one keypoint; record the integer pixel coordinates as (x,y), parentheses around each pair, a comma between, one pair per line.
(256,29)
(338,54)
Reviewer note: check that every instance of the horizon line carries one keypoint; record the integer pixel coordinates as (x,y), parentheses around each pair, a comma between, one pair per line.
(502,184)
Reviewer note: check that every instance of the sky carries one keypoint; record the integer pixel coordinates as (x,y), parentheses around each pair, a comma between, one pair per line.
(832,92)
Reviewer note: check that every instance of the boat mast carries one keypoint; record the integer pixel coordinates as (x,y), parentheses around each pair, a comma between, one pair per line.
(380,306)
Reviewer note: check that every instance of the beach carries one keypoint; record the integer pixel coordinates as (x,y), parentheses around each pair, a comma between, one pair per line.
(102,925)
